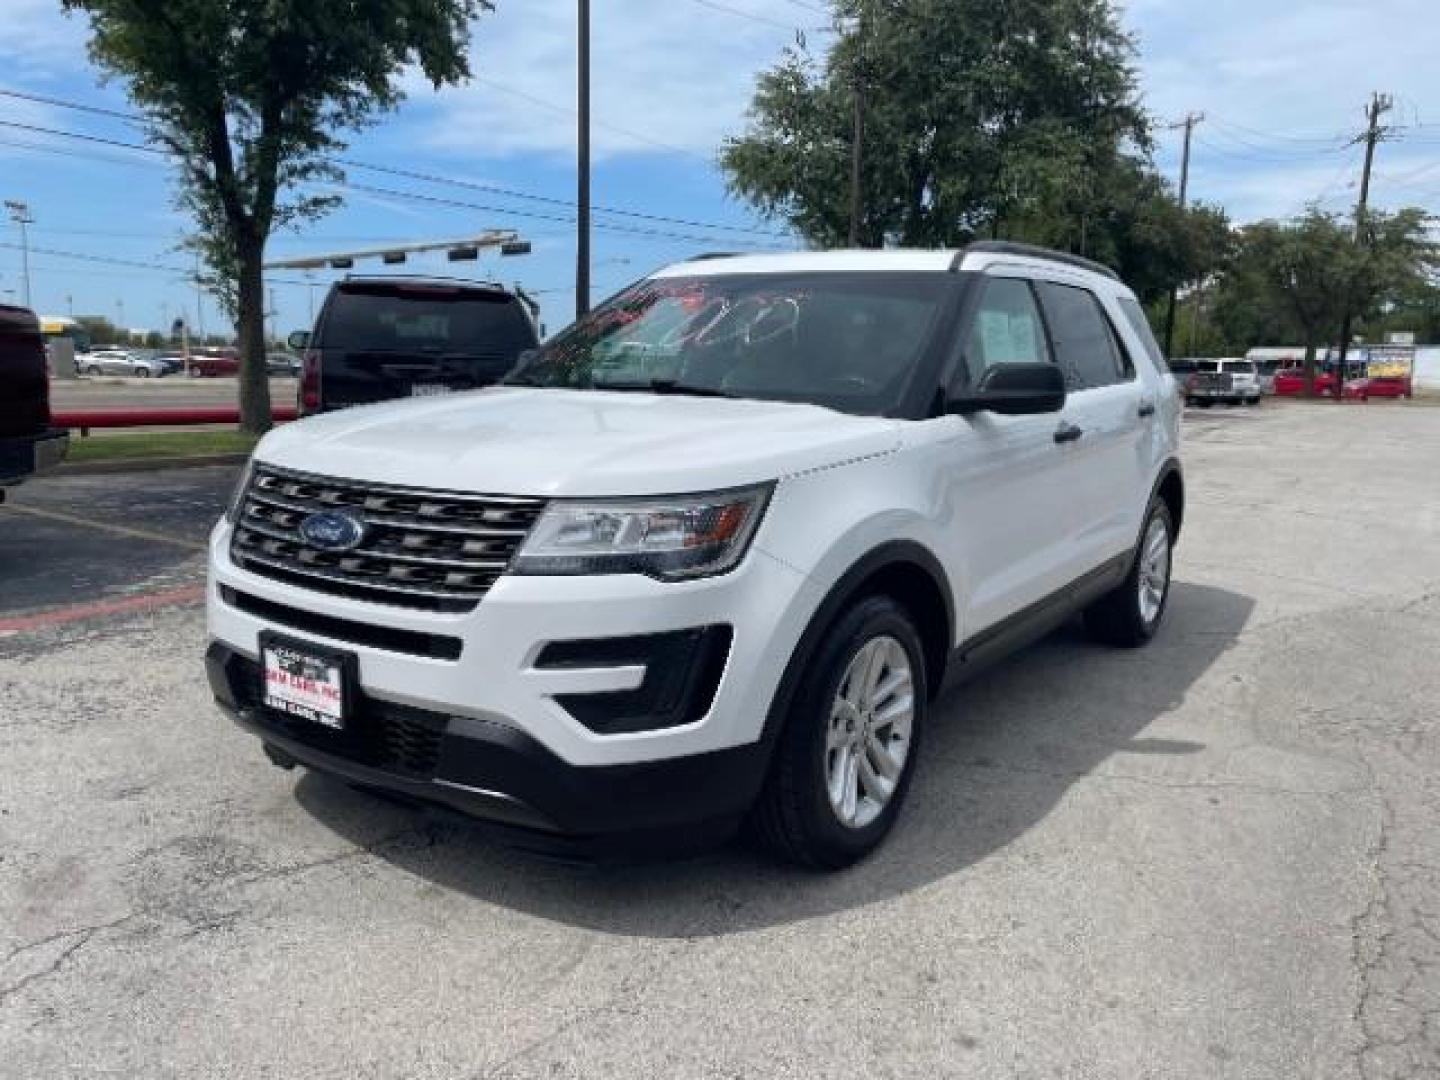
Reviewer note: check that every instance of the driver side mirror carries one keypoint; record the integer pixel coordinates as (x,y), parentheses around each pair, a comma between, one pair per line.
(1013,390)
(299,340)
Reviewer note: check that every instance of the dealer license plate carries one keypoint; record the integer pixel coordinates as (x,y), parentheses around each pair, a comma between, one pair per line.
(303,684)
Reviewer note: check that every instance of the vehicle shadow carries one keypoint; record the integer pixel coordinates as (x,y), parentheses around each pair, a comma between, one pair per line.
(1001,752)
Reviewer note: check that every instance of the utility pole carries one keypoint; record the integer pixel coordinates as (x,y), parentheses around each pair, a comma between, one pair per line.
(199,301)
(857,136)
(272,316)
(582,216)
(1379,105)
(20,214)
(1191,119)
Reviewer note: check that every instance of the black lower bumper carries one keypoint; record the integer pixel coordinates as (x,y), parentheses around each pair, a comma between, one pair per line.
(496,773)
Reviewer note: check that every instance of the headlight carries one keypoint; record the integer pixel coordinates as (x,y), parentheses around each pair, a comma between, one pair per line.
(232,508)
(667,538)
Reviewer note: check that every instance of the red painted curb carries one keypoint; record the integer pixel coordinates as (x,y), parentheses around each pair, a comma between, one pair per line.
(42,620)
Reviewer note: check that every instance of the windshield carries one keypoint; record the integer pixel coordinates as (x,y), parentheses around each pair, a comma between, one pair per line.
(849,342)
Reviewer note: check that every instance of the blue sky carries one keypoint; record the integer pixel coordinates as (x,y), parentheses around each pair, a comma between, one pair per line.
(1282,86)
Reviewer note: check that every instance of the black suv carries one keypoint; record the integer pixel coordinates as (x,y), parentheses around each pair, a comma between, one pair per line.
(27,441)
(382,338)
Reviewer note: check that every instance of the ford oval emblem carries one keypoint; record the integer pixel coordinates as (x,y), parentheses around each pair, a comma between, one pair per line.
(330,530)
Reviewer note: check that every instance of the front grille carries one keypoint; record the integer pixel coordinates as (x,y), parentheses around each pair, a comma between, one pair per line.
(434,550)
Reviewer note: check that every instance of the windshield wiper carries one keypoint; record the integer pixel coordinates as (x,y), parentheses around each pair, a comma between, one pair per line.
(664,386)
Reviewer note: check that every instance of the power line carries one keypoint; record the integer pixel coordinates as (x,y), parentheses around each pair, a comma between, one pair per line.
(537,215)
(1223,123)
(493,189)
(415,196)
(41,99)
(569,110)
(714,5)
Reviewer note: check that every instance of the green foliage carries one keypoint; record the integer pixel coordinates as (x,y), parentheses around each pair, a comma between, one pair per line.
(1290,282)
(101,330)
(252,96)
(983,118)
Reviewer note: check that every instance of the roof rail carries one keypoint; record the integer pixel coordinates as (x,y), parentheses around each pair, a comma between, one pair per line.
(1033,251)
(472,283)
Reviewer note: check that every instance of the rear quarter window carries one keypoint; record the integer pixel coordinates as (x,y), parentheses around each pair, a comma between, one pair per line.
(1135,316)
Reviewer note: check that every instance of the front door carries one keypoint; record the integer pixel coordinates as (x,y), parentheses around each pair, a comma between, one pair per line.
(1011,483)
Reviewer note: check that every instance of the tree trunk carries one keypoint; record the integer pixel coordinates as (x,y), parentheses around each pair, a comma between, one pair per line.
(1310,369)
(250,324)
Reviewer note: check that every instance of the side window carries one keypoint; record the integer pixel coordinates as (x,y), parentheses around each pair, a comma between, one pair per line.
(1085,345)
(1006,329)
(1135,316)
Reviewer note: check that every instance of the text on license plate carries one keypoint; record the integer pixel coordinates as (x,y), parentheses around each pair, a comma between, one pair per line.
(421,389)
(304,686)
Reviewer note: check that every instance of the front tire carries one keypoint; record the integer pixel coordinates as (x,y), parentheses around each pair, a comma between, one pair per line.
(1129,615)
(847,751)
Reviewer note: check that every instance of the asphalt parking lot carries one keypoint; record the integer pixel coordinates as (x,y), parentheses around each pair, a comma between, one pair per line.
(1216,857)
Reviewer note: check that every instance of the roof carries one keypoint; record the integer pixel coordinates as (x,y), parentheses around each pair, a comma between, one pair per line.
(891,260)
(979,256)
(13,318)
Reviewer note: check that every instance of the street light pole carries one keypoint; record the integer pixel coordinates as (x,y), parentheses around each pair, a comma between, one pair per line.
(20,214)
(582,216)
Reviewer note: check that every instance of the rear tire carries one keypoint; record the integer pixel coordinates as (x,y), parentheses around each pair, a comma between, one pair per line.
(847,752)
(1129,614)
(142,373)
(92,370)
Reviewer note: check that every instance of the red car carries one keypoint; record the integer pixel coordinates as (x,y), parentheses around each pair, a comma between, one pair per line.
(214,362)
(1290,382)
(1363,389)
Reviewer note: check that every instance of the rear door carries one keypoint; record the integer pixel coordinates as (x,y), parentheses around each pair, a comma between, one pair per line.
(1109,404)
(382,340)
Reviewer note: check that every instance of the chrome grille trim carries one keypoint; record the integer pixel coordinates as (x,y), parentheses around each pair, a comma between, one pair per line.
(429,549)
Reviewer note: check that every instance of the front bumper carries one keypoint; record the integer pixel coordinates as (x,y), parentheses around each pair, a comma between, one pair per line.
(487,664)
(496,773)
(23,457)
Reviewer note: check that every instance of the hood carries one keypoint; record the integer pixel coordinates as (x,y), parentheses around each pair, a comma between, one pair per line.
(520,441)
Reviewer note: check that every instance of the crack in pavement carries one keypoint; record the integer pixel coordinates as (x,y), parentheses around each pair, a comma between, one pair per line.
(84,935)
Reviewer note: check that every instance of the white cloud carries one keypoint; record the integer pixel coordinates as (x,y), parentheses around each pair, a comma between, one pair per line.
(674,72)
(38,42)
(1277,80)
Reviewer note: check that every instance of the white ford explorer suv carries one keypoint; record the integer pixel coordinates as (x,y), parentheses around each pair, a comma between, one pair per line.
(709,554)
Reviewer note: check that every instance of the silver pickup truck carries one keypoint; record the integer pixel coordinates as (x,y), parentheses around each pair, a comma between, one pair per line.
(1232,381)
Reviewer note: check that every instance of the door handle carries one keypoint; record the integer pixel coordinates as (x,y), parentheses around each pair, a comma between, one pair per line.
(1147,408)
(1068,432)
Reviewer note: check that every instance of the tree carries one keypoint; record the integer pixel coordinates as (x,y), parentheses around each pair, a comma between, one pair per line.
(250,96)
(1306,272)
(101,330)
(1016,120)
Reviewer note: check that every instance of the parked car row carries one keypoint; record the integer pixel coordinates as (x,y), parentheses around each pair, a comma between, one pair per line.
(207,362)
(1234,381)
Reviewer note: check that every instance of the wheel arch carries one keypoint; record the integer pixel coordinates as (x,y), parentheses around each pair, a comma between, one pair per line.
(903,569)
(1169,487)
